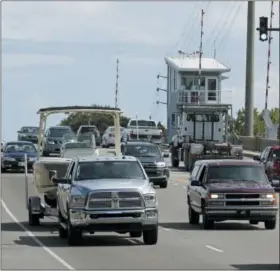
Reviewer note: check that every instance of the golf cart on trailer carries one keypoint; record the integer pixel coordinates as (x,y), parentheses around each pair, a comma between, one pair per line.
(48,168)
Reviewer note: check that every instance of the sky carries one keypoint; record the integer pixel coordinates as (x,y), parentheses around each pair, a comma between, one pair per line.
(64,53)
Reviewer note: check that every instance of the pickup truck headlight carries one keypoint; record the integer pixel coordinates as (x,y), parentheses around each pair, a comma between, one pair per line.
(150,200)
(160,164)
(216,196)
(50,142)
(268,196)
(270,199)
(77,201)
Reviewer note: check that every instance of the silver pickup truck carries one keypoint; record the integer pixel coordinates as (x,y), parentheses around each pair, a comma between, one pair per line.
(139,129)
(106,194)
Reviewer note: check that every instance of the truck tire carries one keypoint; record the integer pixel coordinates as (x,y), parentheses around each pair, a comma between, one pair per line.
(135,234)
(270,224)
(193,216)
(150,237)
(208,224)
(175,163)
(74,236)
(163,184)
(33,219)
(61,231)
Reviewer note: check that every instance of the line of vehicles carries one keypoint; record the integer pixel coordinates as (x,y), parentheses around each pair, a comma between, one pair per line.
(89,192)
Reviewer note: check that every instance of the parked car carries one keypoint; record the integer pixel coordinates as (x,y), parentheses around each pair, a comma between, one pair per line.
(13,155)
(28,133)
(85,129)
(108,138)
(110,194)
(270,159)
(53,139)
(222,190)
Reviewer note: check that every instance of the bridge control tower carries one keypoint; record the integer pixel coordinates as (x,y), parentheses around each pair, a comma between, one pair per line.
(187,101)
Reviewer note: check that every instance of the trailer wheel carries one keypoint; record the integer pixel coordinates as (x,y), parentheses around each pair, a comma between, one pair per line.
(33,219)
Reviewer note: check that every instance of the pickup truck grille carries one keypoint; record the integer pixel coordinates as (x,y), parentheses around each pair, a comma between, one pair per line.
(115,200)
(242,199)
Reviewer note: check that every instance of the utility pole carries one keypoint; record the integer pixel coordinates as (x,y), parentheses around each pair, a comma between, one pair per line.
(200,49)
(249,86)
(268,58)
(117,84)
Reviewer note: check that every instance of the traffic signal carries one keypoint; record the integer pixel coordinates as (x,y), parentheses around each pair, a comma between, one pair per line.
(263,28)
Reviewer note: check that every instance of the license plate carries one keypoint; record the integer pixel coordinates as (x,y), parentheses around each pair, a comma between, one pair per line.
(275,181)
(21,164)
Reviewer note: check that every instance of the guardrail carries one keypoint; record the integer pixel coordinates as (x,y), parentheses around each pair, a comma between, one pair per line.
(257,144)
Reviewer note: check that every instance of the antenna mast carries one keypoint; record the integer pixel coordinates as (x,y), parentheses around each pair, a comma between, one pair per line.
(200,48)
(269,57)
(117,84)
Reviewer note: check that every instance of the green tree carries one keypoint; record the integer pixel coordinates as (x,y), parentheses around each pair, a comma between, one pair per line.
(102,121)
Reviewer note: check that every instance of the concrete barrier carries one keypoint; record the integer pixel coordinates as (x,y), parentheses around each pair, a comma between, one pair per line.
(256,144)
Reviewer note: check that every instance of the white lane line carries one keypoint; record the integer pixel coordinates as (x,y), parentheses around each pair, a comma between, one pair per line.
(35,239)
(214,248)
(164,229)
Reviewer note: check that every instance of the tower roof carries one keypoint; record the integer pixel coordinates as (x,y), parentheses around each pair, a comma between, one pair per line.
(191,64)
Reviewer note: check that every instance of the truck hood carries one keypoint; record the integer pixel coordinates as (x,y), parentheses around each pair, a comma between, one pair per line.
(19,154)
(86,186)
(240,187)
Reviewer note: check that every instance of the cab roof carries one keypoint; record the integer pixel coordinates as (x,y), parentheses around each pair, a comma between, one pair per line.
(105,158)
(143,143)
(228,162)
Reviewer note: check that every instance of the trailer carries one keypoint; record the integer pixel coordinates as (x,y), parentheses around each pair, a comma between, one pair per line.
(44,203)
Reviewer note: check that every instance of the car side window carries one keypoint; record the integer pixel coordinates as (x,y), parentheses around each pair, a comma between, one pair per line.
(68,170)
(195,171)
(266,154)
(71,171)
(263,154)
(202,173)
(269,155)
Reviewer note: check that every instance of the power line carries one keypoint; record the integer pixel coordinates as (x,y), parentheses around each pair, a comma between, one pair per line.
(230,27)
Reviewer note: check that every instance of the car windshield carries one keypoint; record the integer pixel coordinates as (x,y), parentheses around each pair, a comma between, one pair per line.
(235,173)
(88,129)
(109,170)
(58,132)
(17,147)
(33,130)
(142,150)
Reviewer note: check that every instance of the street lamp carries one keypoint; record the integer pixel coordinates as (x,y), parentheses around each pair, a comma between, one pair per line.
(263,28)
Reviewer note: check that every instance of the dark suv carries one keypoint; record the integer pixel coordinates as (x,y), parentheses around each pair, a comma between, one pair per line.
(222,190)
(150,156)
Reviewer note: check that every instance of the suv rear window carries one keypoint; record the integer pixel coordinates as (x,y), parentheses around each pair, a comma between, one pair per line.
(88,129)
(145,123)
(276,153)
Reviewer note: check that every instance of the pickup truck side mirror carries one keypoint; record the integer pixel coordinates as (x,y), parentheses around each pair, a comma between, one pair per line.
(52,174)
(257,158)
(195,183)
(59,181)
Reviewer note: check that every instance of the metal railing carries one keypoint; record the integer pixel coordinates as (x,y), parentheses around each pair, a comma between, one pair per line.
(203,97)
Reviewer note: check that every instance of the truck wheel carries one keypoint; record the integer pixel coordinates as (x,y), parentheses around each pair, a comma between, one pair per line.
(135,234)
(175,163)
(61,231)
(163,184)
(270,224)
(150,237)
(254,222)
(193,216)
(74,236)
(207,223)
(33,219)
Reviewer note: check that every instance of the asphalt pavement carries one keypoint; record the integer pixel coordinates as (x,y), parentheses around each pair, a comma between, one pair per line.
(232,245)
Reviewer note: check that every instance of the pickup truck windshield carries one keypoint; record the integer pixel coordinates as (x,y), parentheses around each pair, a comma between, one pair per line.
(143,151)
(144,123)
(235,173)
(88,129)
(109,170)
(31,130)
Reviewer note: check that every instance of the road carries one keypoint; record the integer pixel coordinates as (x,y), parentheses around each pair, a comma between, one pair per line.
(181,246)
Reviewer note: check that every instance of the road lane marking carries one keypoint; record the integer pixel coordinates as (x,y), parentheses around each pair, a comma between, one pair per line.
(214,248)
(35,239)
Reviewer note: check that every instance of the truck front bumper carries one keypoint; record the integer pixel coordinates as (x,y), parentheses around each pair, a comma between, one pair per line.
(126,220)
(52,148)
(242,213)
